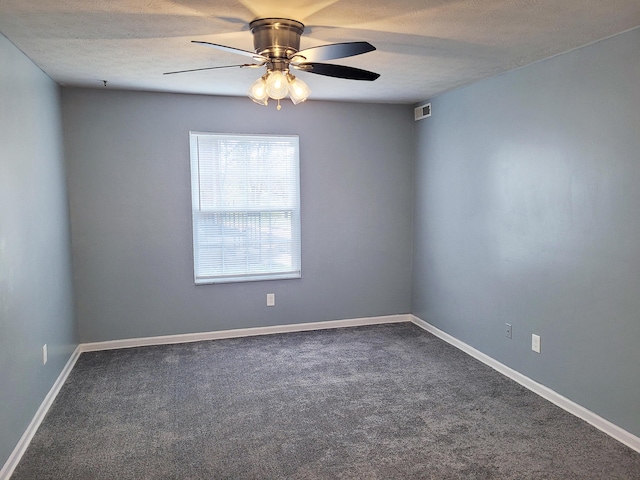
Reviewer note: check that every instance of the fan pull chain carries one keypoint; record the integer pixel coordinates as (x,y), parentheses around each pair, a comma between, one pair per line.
(279,106)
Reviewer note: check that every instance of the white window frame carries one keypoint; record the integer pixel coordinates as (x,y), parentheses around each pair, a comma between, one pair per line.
(237,236)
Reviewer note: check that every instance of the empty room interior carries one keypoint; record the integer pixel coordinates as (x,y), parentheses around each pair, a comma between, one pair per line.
(460,282)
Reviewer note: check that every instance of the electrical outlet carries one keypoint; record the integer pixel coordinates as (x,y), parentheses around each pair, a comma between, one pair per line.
(535,343)
(44,354)
(507,330)
(271,299)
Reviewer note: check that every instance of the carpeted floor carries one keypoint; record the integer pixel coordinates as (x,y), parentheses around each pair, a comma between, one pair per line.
(377,402)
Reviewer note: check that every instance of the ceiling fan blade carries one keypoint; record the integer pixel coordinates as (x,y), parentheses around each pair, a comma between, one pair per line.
(250,65)
(246,53)
(333,51)
(338,71)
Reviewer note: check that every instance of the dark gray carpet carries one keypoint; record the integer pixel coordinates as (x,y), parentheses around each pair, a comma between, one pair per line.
(378,402)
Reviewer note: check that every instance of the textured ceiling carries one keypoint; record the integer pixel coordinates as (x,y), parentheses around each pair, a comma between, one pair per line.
(424,47)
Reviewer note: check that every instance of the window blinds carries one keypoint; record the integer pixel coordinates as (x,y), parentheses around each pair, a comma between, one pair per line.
(246,207)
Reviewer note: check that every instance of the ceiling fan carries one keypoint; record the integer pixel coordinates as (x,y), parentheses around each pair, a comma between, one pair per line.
(277,47)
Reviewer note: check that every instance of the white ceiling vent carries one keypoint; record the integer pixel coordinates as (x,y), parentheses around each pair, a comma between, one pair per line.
(423,111)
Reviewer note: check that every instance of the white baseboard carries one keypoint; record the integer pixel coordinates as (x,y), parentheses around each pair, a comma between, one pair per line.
(23,443)
(570,406)
(240,332)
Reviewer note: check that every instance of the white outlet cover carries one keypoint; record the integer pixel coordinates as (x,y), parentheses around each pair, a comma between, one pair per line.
(44,354)
(271,299)
(535,343)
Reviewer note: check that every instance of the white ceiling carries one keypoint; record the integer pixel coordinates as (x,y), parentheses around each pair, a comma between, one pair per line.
(424,47)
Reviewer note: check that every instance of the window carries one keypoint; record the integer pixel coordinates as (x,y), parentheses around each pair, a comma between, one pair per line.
(246,207)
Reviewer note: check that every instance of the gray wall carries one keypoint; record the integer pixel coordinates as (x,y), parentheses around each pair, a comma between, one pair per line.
(36,301)
(129,184)
(527,211)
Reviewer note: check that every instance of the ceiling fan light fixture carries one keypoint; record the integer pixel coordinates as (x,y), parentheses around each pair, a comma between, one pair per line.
(258,91)
(276,44)
(277,85)
(298,90)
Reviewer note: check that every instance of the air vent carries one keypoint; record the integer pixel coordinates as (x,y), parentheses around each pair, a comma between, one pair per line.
(423,111)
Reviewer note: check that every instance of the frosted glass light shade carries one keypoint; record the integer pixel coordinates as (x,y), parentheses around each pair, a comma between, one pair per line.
(258,92)
(298,90)
(277,85)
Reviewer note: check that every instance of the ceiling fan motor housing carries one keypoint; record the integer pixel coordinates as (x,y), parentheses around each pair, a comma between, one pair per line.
(277,39)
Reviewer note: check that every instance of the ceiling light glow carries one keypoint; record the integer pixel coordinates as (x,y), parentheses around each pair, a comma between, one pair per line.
(277,84)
